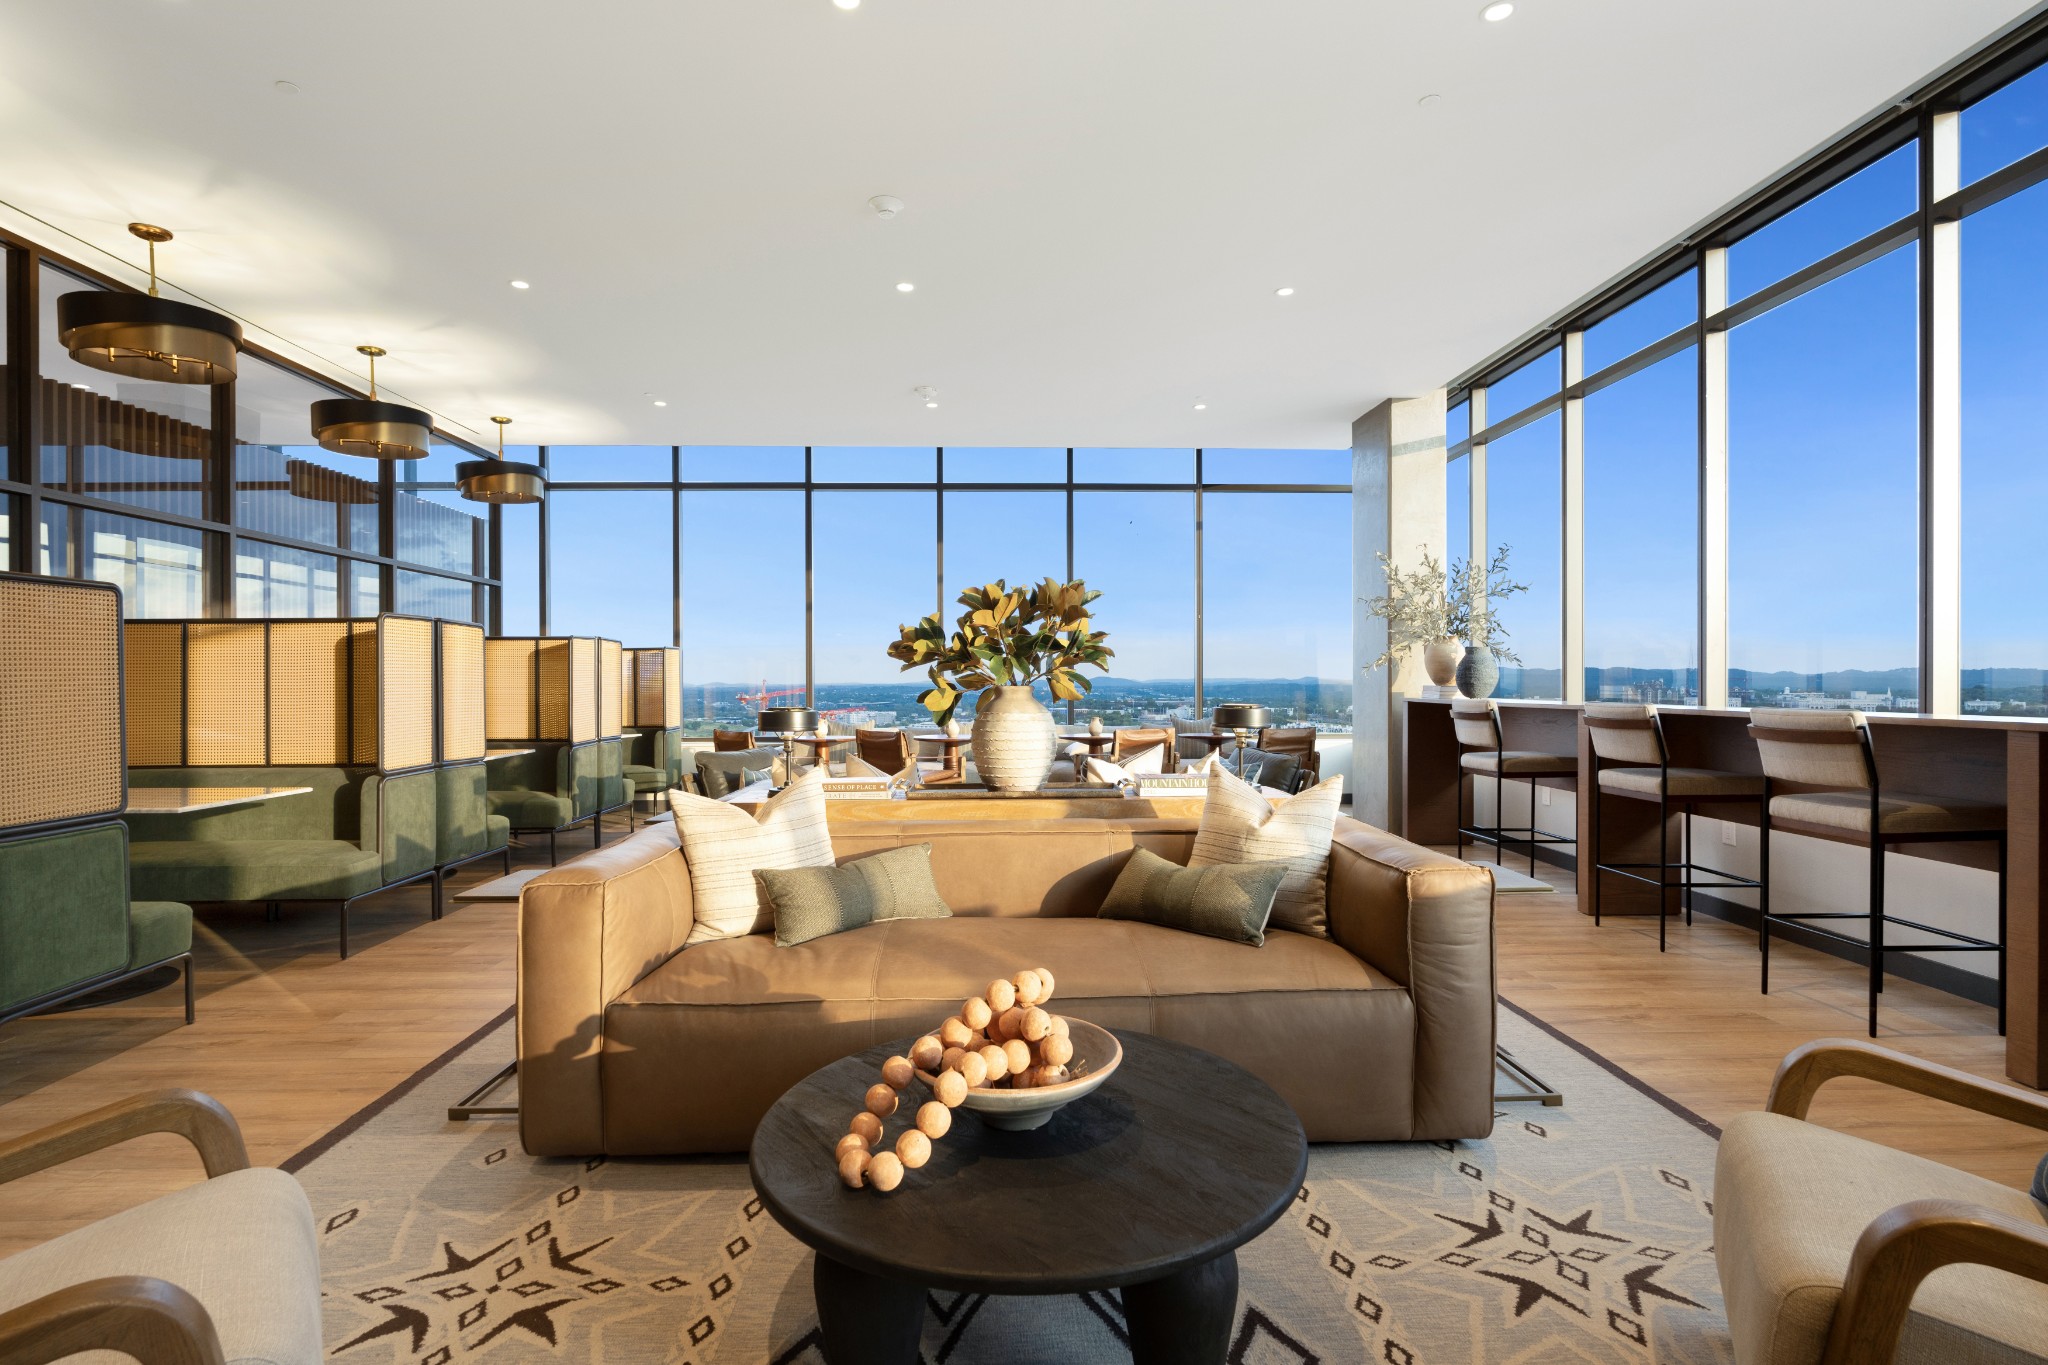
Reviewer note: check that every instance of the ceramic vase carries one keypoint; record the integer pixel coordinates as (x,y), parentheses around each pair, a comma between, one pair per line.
(1478,672)
(1440,660)
(1013,739)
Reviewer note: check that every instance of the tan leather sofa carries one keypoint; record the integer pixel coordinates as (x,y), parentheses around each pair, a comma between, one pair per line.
(629,1045)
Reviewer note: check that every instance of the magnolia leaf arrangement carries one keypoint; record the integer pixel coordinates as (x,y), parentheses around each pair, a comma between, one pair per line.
(1006,637)
(1432,604)
(1002,1038)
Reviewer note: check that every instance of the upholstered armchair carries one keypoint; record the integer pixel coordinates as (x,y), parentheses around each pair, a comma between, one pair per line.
(224,1270)
(1128,744)
(1828,1245)
(1298,743)
(890,750)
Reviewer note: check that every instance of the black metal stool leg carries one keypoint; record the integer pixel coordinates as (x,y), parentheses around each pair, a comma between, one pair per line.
(1597,855)
(1763,890)
(1500,809)
(1663,863)
(1685,852)
(2001,935)
(1876,924)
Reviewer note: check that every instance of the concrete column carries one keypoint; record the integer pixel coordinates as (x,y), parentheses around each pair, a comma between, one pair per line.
(1397,509)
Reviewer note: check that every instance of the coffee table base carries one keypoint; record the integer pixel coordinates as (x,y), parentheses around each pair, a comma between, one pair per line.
(1180,1319)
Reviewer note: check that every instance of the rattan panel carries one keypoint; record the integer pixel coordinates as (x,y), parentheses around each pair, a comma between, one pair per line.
(309,692)
(610,679)
(224,679)
(406,692)
(657,688)
(629,677)
(60,702)
(155,688)
(363,692)
(583,689)
(461,682)
(555,680)
(510,700)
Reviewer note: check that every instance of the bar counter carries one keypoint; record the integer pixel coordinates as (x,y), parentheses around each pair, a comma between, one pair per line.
(1992,759)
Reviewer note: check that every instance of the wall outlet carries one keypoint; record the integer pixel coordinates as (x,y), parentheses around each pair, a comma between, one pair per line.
(1728,834)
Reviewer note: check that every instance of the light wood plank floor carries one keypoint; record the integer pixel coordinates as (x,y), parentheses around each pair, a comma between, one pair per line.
(294,1040)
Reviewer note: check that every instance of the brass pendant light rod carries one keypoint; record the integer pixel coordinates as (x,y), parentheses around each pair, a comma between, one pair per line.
(152,234)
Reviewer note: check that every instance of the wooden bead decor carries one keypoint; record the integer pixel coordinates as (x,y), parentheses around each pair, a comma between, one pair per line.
(1001,1038)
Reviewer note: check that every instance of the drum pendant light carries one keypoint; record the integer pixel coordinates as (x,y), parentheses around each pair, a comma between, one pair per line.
(371,428)
(143,336)
(501,480)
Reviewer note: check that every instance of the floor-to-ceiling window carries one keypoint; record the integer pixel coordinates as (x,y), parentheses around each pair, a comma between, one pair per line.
(743,604)
(875,569)
(1525,518)
(1280,640)
(1641,535)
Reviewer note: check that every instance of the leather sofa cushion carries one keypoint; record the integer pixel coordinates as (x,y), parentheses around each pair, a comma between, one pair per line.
(697,1050)
(253,870)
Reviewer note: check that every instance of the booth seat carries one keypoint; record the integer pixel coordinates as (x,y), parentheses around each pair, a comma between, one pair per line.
(67,927)
(654,759)
(465,829)
(356,833)
(559,786)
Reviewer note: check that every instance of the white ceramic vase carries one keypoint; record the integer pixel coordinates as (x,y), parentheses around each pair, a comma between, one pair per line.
(1440,660)
(1013,739)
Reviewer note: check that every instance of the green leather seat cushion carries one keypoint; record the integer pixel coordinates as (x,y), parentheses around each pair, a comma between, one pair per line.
(532,809)
(646,779)
(161,929)
(253,870)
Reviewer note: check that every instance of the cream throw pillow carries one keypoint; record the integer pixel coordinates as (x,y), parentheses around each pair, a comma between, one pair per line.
(724,846)
(1241,826)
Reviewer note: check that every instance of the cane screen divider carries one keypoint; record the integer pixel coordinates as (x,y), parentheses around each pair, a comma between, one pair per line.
(538,689)
(282,693)
(62,753)
(459,673)
(610,679)
(654,687)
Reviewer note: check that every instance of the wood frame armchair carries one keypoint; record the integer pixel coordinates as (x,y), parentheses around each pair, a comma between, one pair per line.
(152,1320)
(1906,1243)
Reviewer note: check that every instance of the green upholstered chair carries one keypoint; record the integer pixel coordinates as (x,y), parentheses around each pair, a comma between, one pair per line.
(67,927)
(647,764)
(557,787)
(355,834)
(465,829)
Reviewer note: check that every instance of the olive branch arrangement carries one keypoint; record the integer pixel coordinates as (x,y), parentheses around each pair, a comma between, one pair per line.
(1432,604)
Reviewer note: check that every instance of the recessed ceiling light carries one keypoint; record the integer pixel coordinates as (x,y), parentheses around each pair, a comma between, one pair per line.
(1285,291)
(1201,407)
(933,403)
(905,287)
(661,402)
(1497,11)
(521,284)
(847,4)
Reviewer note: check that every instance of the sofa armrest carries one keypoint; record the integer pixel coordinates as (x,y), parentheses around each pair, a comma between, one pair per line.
(151,1320)
(588,930)
(1427,921)
(197,1118)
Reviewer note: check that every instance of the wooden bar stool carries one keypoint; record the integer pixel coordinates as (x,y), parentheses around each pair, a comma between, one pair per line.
(1633,736)
(1828,755)
(1481,754)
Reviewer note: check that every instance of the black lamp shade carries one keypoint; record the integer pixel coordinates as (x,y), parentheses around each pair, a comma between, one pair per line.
(144,337)
(1241,715)
(505,481)
(372,429)
(786,720)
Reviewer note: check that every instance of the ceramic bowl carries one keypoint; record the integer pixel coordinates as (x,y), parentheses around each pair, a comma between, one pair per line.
(1096,1055)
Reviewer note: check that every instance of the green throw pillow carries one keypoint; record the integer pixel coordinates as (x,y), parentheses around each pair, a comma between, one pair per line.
(811,902)
(1228,900)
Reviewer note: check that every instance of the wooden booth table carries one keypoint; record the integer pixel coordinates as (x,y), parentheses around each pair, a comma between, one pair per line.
(1149,1185)
(1993,761)
(187,800)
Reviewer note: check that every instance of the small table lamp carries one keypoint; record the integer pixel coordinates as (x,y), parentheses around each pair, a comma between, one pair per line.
(789,722)
(1241,718)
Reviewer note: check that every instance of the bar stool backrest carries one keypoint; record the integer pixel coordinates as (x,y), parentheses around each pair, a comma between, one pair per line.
(1819,748)
(1625,734)
(1474,722)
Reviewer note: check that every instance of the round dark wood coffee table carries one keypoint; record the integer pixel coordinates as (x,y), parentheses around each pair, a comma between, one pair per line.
(1149,1185)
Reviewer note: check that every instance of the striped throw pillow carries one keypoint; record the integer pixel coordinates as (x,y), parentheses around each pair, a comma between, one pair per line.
(1241,826)
(724,846)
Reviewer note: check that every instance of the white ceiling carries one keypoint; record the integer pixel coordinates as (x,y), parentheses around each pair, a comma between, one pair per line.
(1102,194)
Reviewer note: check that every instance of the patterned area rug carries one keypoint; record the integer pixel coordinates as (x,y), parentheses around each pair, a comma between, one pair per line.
(1581,1233)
